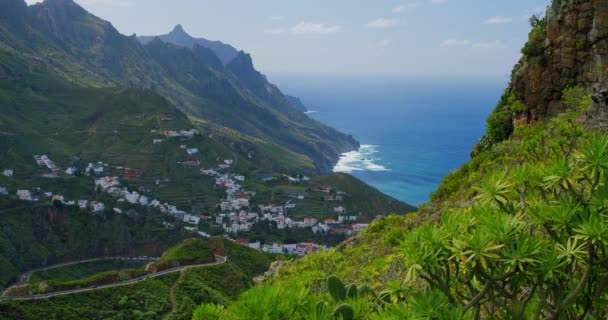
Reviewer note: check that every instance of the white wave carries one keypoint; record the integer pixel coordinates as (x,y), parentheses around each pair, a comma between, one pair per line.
(359,160)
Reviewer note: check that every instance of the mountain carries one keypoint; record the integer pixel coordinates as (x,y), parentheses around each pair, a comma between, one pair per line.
(518,232)
(226,53)
(296,102)
(90,52)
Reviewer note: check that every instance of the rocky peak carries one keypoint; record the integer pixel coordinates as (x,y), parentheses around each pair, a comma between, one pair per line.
(179,30)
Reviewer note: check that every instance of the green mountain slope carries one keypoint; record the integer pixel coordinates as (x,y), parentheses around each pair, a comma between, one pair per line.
(90,52)
(172,296)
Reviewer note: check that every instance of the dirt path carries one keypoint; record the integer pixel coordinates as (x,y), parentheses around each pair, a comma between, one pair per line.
(172,293)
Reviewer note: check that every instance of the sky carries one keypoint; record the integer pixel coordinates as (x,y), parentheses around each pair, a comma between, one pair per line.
(345,37)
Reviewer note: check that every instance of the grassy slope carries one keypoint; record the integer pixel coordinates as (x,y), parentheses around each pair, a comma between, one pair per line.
(83,270)
(150,299)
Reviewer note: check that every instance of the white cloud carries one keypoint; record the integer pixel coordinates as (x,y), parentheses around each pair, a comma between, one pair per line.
(274,31)
(489,45)
(312,28)
(405,8)
(455,43)
(382,23)
(499,20)
(277,18)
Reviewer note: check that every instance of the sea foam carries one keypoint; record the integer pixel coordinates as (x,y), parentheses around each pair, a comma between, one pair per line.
(359,160)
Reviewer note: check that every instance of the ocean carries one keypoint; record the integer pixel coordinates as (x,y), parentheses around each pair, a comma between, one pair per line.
(413,131)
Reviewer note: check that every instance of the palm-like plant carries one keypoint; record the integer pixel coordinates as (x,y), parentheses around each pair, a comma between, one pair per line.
(593,158)
(496,190)
(560,175)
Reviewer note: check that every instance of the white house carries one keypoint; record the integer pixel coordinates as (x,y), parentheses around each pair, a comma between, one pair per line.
(24,195)
(98,170)
(339,209)
(71,170)
(8,172)
(254,245)
(157,141)
(239,177)
(117,210)
(132,197)
(192,151)
(97,206)
(143,200)
(191,219)
(229,162)
(3,191)
(83,204)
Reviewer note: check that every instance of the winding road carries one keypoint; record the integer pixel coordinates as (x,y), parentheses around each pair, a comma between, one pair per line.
(218,260)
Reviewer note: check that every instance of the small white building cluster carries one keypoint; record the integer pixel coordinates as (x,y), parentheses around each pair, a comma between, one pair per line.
(299,249)
(44,161)
(182,133)
(95,168)
(8,172)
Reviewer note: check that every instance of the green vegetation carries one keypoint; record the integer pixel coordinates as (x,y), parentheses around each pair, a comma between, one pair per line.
(535,46)
(31,237)
(83,270)
(145,300)
(150,299)
(189,252)
(576,98)
(519,232)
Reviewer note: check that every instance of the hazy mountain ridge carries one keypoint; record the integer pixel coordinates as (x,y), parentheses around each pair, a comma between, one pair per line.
(225,52)
(89,51)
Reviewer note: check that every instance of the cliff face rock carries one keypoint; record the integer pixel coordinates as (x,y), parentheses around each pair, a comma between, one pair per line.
(566,48)
(575,53)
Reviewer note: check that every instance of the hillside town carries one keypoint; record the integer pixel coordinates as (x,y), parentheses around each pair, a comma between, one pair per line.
(236,213)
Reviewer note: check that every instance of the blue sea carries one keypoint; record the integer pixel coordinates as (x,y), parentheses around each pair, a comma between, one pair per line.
(413,131)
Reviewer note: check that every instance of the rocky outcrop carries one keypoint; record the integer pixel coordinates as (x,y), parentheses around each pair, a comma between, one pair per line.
(597,115)
(566,48)
(575,53)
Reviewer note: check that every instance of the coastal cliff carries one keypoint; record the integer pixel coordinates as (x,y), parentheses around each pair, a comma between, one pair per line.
(567,48)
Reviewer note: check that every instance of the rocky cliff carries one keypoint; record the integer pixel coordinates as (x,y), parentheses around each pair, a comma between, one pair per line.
(567,47)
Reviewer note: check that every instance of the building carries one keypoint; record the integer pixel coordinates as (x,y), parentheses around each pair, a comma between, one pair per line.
(97,206)
(3,191)
(98,170)
(25,195)
(157,141)
(71,171)
(8,172)
(192,151)
(194,220)
(358,227)
(339,209)
(83,204)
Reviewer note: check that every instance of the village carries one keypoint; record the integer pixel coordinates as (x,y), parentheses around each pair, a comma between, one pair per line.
(236,214)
